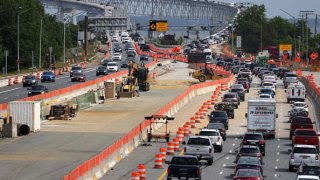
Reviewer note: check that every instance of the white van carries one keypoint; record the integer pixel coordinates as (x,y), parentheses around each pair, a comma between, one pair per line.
(296,92)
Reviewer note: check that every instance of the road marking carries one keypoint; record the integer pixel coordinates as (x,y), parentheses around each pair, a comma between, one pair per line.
(227,157)
(278,146)
(233,144)
(224,165)
(164,173)
(221,172)
(278,139)
(275,175)
(278,153)
(277,160)
(230,151)
(10,90)
(5,98)
(276,167)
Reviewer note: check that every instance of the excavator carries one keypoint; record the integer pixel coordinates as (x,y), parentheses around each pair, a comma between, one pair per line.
(135,80)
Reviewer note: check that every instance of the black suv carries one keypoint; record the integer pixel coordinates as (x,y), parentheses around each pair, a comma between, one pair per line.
(219,116)
(240,91)
(255,138)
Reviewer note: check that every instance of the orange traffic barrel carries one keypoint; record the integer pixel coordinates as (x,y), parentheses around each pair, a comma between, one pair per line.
(176,144)
(16,80)
(193,122)
(135,176)
(142,171)
(9,82)
(186,127)
(170,148)
(158,161)
(180,135)
(163,152)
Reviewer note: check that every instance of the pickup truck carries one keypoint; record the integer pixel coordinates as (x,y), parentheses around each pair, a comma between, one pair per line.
(305,136)
(300,122)
(184,166)
(201,147)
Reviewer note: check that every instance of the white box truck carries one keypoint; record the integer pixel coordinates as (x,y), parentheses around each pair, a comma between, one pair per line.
(261,116)
(296,92)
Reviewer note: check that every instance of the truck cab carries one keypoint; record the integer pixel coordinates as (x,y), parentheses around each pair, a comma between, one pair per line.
(296,92)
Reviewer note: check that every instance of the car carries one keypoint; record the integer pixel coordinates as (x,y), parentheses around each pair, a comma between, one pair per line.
(300,105)
(201,147)
(101,70)
(283,72)
(131,54)
(112,66)
(114,39)
(141,41)
(245,75)
(305,136)
(239,89)
(268,85)
(249,150)
(220,127)
(29,80)
(232,98)
(116,56)
(124,64)
(266,96)
(131,49)
(267,91)
(300,122)
(245,174)
(306,168)
(48,76)
(125,39)
(117,48)
(144,47)
(37,89)
(254,138)
(215,137)
(78,77)
(75,69)
(219,116)
(220,63)
(186,166)
(307,177)
(303,153)
(275,71)
(289,78)
(227,107)
(272,79)
(144,57)
(248,162)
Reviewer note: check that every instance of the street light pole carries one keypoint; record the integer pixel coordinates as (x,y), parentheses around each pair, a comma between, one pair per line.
(307,32)
(40,42)
(294,32)
(18,57)
(261,34)
(64,42)
(6,53)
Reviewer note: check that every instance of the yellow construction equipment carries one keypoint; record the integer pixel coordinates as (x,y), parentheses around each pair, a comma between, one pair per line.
(203,75)
(128,87)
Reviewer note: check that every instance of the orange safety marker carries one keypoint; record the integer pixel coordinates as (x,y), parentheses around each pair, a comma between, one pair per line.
(158,161)
(16,80)
(180,135)
(135,176)
(176,144)
(163,152)
(170,148)
(197,117)
(60,71)
(9,82)
(192,122)
(186,129)
(142,171)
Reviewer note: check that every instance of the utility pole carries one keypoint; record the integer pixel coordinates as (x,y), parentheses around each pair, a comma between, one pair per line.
(85,36)
(315,25)
(294,32)
(32,61)
(6,54)
(307,32)
(150,34)
(261,35)
(18,57)
(40,42)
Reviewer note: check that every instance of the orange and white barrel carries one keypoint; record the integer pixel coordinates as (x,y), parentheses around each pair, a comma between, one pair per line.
(170,148)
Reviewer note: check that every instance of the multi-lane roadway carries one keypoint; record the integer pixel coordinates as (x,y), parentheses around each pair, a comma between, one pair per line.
(275,163)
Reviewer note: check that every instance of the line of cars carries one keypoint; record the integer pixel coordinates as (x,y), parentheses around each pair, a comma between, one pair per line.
(33,85)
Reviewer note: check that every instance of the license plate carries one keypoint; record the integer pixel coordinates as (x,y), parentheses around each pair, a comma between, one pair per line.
(305,157)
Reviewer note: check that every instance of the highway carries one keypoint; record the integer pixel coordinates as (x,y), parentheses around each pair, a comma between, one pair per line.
(15,92)
(275,162)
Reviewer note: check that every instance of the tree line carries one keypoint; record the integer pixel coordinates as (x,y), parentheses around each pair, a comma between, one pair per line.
(275,31)
(31,13)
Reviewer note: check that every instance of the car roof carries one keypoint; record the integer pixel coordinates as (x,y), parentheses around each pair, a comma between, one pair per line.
(304,146)
(254,133)
(308,176)
(249,146)
(204,137)
(211,130)
(187,156)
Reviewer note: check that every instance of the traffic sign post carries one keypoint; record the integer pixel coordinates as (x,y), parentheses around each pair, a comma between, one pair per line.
(158,25)
(313,56)
(152,25)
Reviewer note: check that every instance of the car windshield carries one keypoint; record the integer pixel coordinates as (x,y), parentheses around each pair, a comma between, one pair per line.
(229,96)
(208,133)
(184,161)
(299,104)
(264,96)
(77,74)
(311,170)
(47,73)
(76,68)
(304,150)
(37,87)
(248,160)
(266,91)
(215,126)
(112,64)
(291,75)
(29,77)
(242,79)
(199,141)
(300,120)
(249,150)
(101,68)
(247,173)
(253,137)
(237,86)
(218,114)
(305,133)
(267,84)
(236,90)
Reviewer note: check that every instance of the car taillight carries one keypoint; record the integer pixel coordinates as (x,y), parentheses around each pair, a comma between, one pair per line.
(317,157)
(210,150)
(185,149)
(292,156)
(261,142)
(168,171)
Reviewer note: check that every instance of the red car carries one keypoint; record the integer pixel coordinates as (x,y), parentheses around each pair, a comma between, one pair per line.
(305,136)
(248,174)
(300,122)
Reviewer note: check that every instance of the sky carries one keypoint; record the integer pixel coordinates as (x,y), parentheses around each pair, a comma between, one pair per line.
(291,6)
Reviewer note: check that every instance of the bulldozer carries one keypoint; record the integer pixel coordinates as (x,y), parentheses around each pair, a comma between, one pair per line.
(203,75)
(135,81)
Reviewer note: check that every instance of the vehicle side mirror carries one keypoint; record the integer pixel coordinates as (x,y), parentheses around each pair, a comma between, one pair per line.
(167,162)
(203,163)
(196,134)
(276,115)
(183,142)
(246,115)
(236,151)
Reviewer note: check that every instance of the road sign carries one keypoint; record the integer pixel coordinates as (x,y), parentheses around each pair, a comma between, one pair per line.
(152,25)
(158,25)
(238,42)
(162,25)
(285,51)
(313,56)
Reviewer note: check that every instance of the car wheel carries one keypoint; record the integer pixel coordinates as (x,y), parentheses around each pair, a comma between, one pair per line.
(72,80)
(291,168)
(210,162)
(97,74)
(53,80)
(220,148)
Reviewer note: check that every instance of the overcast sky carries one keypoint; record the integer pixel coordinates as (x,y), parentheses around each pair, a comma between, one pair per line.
(291,6)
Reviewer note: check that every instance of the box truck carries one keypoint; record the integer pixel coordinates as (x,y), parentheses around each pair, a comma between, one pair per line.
(261,116)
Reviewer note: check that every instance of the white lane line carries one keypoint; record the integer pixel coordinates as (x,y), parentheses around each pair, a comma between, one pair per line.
(278,139)
(276,167)
(227,157)
(221,172)
(230,151)
(278,153)
(233,144)
(278,146)
(275,175)
(66,81)
(10,90)
(224,165)
(5,98)
(277,160)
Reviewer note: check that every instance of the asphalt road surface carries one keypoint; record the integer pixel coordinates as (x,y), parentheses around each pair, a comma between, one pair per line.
(275,163)
(15,92)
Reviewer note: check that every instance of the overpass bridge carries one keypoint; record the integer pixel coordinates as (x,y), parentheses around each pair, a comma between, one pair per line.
(156,9)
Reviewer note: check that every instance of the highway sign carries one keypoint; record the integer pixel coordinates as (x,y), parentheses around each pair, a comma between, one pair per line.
(285,51)
(162,25)
(152,25)
(313,56)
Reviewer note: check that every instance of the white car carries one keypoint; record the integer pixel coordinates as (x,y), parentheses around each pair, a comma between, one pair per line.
(272,79)
(268,85)
(200,146)
(112,66)
(305,153)
(125,39)
(300,105)
(215,137)
(132,50)
(141,41)
(114,39)
(265,96)
(307,177)
(117,56)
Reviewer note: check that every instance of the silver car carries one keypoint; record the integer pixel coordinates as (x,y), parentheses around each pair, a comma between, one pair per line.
(303,153)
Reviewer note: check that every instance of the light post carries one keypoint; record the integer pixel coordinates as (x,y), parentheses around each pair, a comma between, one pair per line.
(6,54)
(50,57)
(307,32)
(18,53)
(261,34)
(40,42)
(299,41)
(294,32)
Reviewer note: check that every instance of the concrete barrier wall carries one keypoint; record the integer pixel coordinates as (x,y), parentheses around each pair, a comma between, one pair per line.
(101,163)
